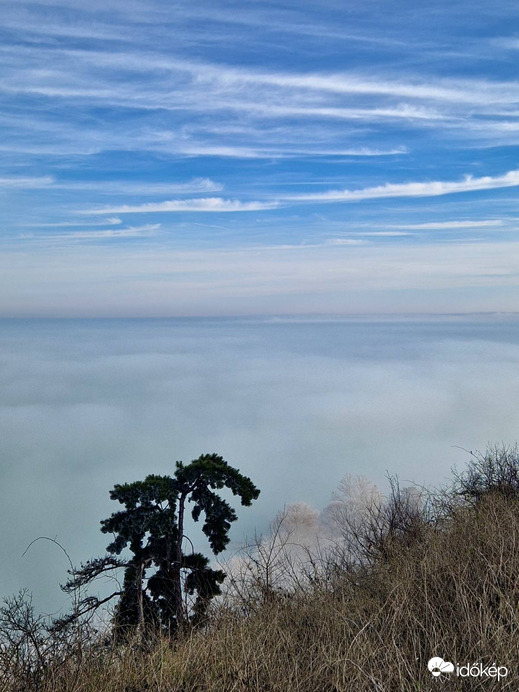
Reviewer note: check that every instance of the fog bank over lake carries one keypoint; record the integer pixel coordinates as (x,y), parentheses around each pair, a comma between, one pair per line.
(294,404)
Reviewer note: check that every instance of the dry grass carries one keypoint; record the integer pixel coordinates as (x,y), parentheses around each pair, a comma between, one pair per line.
(452,591)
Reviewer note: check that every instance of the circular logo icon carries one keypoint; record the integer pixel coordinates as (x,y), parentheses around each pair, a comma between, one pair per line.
(437,666)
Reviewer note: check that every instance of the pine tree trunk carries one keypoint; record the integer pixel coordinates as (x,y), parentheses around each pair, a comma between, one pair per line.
(177,586)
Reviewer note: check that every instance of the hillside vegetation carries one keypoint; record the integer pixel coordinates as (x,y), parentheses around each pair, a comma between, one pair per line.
(416,578)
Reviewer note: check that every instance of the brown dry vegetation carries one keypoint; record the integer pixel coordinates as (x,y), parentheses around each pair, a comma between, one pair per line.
(440,582)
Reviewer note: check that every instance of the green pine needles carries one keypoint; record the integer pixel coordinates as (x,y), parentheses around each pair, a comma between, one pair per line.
(164,588)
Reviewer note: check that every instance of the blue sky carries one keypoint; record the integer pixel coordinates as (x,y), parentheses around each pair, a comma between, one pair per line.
(199,158)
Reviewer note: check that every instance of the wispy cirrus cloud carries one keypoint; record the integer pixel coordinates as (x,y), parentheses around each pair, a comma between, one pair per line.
(389,190)
(105,234)
(510,43)
(416,189)
(130,232)
(398,112)
(346,241)
(195,149)
(194,86)
(228,98)
(28,183)
(113,221)
(371,234)
(284,151)
(197,185)
(225,78)
(359,84)
(447,225)
(206,204)
(152,82)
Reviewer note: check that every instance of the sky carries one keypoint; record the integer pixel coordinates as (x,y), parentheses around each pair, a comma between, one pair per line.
(200,158)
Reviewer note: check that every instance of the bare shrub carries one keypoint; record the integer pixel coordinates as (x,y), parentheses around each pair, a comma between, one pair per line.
(372,526)
(495,471)
(289,559)
(30,646)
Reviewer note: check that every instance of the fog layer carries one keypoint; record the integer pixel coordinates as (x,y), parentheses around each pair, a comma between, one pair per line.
(294,405)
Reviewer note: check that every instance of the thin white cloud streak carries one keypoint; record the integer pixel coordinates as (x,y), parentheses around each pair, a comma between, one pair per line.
(197,185)
(67,224)
(345,241)
(446,225)
(221,151)
(207,204)
(382,234)
(283,151)
(402,111)
(108,234)
(507,43)
(428,189)
(27,183)
(361,151)
(442,90)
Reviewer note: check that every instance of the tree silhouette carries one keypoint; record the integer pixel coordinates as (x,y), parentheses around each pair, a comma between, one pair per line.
(159,576)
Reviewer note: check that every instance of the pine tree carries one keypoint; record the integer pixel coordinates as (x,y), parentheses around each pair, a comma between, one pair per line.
(159,576)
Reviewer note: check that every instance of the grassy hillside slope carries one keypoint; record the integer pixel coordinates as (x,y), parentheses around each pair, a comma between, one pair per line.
(441,580)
